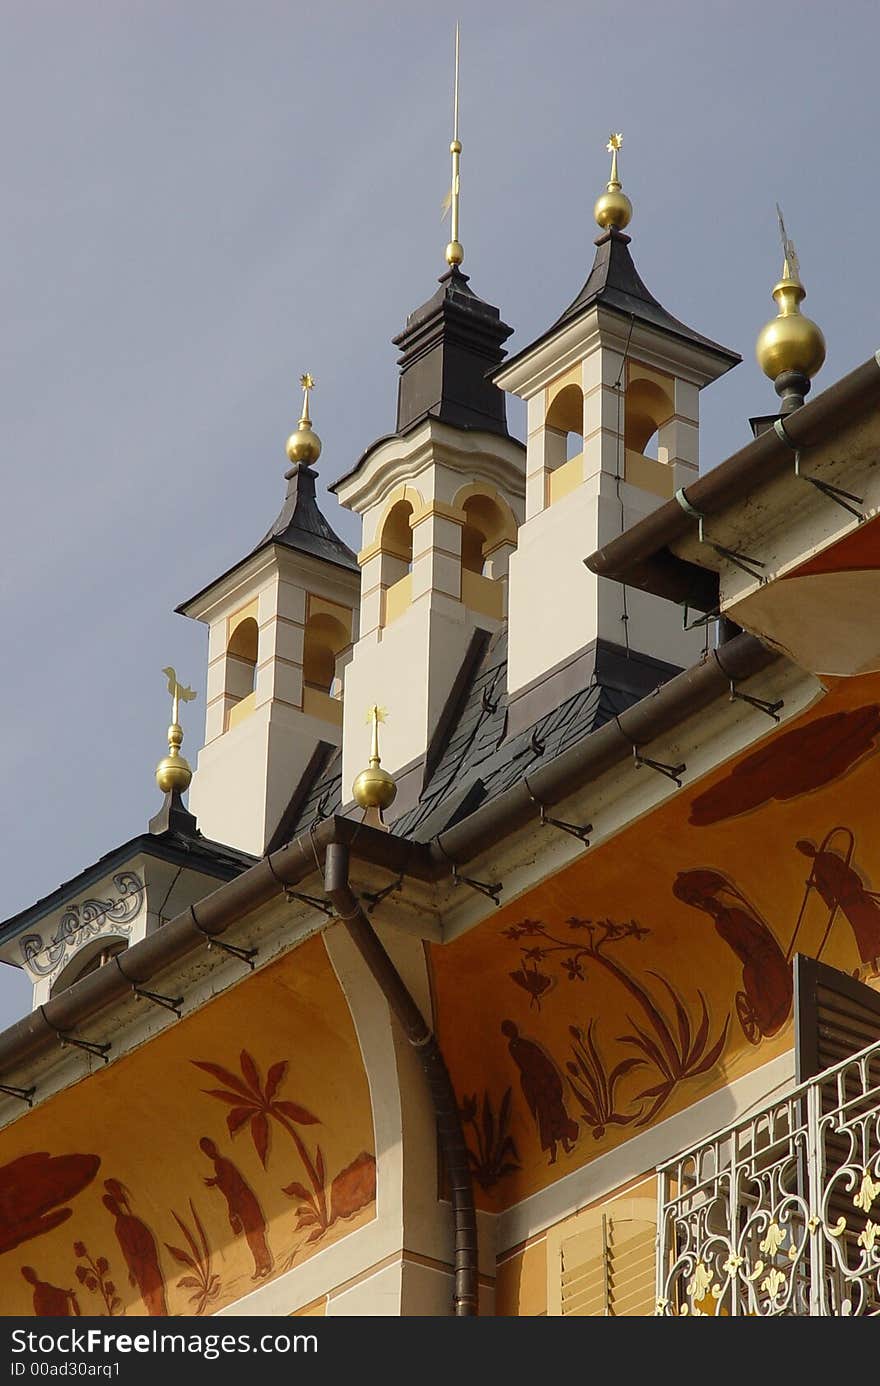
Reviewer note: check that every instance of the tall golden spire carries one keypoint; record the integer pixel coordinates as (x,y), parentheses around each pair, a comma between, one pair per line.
(374,788)
(173,773)
(613,208)
(304,445)
(455,249)
(791,347)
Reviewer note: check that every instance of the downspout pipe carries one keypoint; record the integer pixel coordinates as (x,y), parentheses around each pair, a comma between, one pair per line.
(402,1005)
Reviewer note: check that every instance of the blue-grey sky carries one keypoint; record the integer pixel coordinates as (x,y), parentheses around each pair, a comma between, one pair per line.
(202,199)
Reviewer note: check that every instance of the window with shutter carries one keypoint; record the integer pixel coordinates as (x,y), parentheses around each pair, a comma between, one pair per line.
(603,1261)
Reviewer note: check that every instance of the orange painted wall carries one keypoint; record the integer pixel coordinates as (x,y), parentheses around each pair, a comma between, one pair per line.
(228,1149)
(657,968)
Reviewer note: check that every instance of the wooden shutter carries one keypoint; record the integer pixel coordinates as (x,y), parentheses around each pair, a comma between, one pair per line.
(604,1261)
(836,1016)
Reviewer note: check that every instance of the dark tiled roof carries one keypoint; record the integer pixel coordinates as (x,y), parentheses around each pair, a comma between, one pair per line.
(614,282)
(479,760)
(199,854)
(302,526)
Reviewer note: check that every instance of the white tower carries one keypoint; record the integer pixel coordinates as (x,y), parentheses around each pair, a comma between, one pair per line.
(613,372)
(281,624)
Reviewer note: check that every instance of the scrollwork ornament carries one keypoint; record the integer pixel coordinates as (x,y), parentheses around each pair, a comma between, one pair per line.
(83,921)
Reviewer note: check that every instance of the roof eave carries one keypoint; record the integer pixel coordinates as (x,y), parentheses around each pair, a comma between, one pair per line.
(643,556)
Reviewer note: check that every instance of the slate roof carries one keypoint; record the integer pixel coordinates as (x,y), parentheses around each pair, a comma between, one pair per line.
(301,525)
(199,853)
(614,282)
(479,760)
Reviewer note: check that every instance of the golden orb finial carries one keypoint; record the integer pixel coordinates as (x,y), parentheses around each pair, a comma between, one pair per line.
(613,208)
(454,250)
(173,773)
(304,445)
(374,788)
(791,347)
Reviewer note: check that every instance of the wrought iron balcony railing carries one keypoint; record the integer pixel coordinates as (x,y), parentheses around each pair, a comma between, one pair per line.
(779,1214)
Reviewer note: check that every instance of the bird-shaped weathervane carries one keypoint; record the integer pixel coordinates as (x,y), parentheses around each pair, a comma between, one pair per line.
(179,694)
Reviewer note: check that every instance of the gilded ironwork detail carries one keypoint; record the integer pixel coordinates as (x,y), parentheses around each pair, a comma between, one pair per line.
(778,1214)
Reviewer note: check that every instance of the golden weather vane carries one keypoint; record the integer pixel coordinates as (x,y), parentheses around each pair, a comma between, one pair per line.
(179,694)
(454,250)
(173,772)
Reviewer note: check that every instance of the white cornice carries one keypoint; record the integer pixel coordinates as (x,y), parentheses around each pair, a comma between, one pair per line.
(398,459)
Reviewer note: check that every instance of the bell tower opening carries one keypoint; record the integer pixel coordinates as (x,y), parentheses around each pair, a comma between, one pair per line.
(396,541)
(241,666)
(564,437)
(488,538)
(648,434)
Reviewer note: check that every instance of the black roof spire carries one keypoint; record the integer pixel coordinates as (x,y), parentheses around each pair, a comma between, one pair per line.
(301,526)
(448,347)
(614,282)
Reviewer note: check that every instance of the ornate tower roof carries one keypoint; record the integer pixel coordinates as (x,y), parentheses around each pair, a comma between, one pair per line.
(614,282)
(447,347)
(300,524)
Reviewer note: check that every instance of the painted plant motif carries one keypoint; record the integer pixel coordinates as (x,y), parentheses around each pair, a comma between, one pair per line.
(31,1188)
(678,1049)
(491,1149)
(593,1086)
(543,1090)
(257,1105)
(195,1257)
(94,1275)
(245,1212)
(138,1247)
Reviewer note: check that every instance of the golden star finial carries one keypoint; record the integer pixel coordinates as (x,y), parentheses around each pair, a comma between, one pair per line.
(613,209)
(374,788)
(307,382)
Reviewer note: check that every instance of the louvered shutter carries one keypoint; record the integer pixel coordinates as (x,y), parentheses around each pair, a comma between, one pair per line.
(603,1262)
(836,1016)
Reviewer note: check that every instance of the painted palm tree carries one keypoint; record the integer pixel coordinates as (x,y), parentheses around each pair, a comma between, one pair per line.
(257,1105)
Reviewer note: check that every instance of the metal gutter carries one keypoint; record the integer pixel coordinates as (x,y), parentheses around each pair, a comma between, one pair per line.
(38,1033)
(642,557)
(449,1128)
(611,745)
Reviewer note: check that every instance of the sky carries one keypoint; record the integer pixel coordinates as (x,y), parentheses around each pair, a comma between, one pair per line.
(203,199)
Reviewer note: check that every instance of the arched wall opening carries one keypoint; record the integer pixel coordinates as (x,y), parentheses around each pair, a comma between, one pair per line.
(565,420)
(241,667)
(648,407)
(396,541)
(87,960)
(324,640)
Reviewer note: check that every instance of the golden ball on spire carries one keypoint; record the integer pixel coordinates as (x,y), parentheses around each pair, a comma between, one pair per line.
(304,445)
(173,772)
(613,208)
(454,253)
(374,788)
(790,341)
